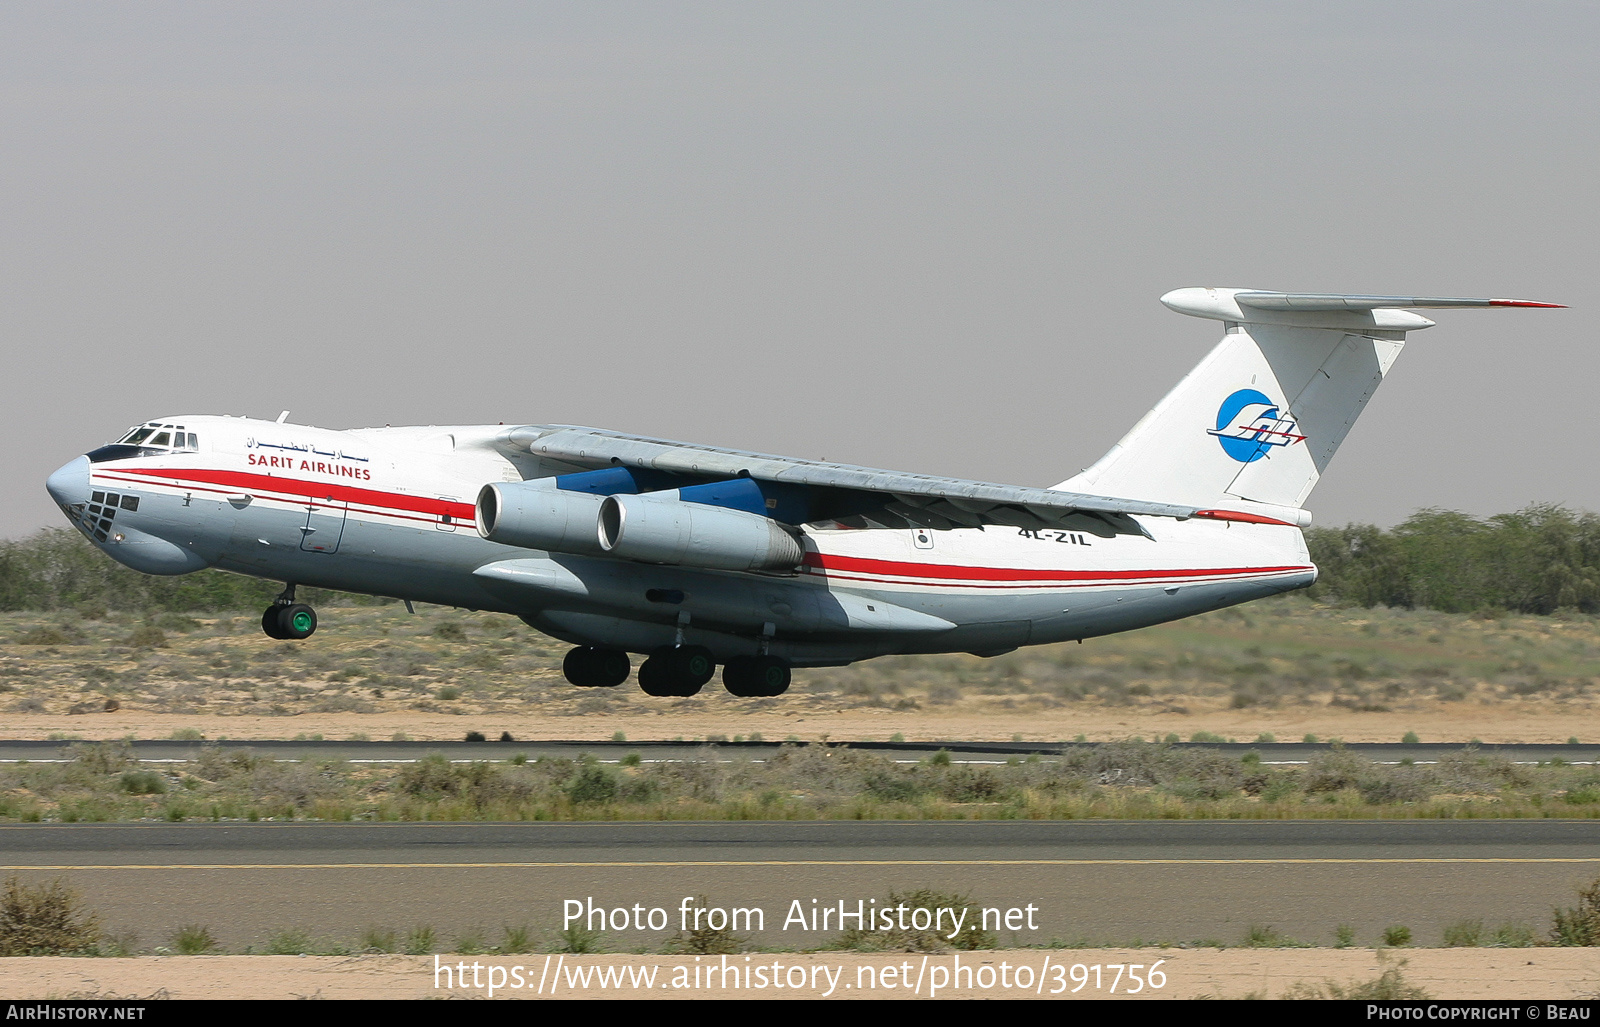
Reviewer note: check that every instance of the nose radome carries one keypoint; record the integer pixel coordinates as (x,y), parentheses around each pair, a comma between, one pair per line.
(70,483)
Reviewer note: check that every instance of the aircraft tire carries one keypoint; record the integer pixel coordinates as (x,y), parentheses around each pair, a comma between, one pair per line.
(770,676)
(578,667)
(612,667)
(269,623)
(588,667)
(739,677)
(681,672)
(693,666)
(655,679)
(296,621)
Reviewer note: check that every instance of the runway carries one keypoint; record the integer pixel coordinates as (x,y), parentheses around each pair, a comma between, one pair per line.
(961,751)
(1093,881)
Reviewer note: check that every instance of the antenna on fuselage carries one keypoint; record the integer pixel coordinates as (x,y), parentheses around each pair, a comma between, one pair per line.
(283,417)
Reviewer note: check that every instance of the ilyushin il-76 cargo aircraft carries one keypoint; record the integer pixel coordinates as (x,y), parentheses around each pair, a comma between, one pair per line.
(697,556)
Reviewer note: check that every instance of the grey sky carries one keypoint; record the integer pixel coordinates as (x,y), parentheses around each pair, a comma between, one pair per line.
(923,236)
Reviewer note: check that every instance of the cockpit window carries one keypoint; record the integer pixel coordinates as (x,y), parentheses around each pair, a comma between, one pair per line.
(151,439)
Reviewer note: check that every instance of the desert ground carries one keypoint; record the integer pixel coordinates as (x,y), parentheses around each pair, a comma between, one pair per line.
(1284,669)
(1512,974)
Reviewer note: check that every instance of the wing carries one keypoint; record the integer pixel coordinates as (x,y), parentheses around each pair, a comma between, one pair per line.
(853,496)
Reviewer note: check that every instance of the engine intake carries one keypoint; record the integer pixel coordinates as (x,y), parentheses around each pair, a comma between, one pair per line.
(658,528)
(538,515)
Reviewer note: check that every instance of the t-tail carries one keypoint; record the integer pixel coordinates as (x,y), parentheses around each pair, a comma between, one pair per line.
(1260,417)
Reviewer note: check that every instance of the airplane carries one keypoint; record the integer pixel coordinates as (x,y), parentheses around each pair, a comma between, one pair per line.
(700,556)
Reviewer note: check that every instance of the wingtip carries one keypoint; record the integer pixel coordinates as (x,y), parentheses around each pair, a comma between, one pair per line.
(1525,303)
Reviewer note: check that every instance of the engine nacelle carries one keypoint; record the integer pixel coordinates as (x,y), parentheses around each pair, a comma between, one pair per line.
(658,528)
(538,515)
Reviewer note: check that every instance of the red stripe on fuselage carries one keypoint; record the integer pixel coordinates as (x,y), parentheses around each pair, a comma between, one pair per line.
(826,562)
(245,481)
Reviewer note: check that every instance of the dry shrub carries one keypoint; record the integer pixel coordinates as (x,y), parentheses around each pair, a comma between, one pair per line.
(1580,924)
(705,940)
(909,939)
(104,757)
(45,920)
(1390,985)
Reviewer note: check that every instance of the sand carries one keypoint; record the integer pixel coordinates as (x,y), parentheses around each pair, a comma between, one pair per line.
(1511,974)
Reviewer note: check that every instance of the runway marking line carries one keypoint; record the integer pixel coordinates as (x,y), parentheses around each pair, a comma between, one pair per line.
(813,863)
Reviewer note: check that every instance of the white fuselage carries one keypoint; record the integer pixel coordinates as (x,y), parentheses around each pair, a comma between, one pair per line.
(390,511)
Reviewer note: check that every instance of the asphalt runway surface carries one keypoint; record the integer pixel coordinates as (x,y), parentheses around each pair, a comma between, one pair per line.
(961,751)
(1087,881)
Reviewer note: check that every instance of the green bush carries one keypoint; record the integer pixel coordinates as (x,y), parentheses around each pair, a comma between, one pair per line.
(1537,560)
(293,942)
(57,569)
(593,783)
(1261,936)
(193,940)
(147,636)
(579,940)
(420,940)
(377,939)
(143,782)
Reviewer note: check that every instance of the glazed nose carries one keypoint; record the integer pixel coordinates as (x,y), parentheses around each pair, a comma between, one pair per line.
(70,483)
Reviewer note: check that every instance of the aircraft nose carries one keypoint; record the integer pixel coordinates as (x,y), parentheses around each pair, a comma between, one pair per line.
(70,483)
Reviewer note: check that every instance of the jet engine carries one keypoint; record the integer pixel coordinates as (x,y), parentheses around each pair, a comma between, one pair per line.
(539,515)
(659,528)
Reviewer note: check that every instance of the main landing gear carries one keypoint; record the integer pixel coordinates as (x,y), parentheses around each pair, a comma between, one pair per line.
(750,677)
(679,671)
(288,620)
(588,667)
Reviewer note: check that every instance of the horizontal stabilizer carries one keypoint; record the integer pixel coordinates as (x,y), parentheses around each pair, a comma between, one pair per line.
(1260,417)
(1332,301)
(1323,310)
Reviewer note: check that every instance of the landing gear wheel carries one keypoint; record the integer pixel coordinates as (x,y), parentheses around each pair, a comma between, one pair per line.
(269,622)
(296,621)
(681,671)
(739,677)
(751,677)
(693,665)
(588,667)
(655,679)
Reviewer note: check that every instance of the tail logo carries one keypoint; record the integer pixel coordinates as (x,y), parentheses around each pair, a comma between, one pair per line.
(1249,426)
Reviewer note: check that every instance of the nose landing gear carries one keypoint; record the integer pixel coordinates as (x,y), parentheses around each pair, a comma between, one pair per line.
(288,620)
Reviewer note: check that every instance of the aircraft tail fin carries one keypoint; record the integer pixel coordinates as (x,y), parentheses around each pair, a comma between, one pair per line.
(1260,417)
